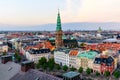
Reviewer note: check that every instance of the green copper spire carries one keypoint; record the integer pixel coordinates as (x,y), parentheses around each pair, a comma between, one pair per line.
(58,28)
(99,30)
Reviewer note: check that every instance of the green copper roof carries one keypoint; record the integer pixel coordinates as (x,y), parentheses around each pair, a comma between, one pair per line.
(71,74)
(88,54)
(58,28)
(52,38)
(63,37)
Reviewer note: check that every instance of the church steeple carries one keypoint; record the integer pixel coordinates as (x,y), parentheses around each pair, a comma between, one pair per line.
(58,28)
(100,30)
(58,40)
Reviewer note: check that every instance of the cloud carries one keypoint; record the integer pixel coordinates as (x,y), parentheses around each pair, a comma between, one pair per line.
(100,11)
(91,11)
(71,10)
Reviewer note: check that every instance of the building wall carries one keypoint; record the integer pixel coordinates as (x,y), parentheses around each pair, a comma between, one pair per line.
(59,41)
(84,63)
(119,56)
(36,57)
(3,48)
(115,62)
(96,67)
(73,61)
(23,51)
(90,63)
(16,45)
(61,58)
(107,68)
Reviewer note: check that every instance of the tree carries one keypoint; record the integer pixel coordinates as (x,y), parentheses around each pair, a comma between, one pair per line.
(19,58)
(80,70)
(16,54)
(107,73)
(4,53)
(37,65)
(58,67)
(97,73)
(44,66)
(82,45)
(51,66)
(116,74)
(42,61)
(88,71)
(65,68)
(72,69)
(51,63)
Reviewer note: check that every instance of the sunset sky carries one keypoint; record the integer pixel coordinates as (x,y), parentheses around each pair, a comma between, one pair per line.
(34,12)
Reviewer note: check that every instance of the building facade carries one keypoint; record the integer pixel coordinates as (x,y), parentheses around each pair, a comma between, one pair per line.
(73,58)
(3,48)
(35,55)
(61,57)
(103,63)
(85,59)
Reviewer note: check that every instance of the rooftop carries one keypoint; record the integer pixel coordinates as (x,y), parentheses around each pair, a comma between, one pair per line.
(88,54)
(71,74)
(8,70)
(39,51)
(27,62)
(6,56)
(34,75)
(73,53)
(107,60)
(63,50)
(104,46)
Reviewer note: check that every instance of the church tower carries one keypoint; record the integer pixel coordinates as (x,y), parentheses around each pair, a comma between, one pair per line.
(99,30)
(59,32)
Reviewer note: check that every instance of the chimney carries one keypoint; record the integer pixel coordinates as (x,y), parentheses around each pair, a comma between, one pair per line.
(6,58)
(26,65)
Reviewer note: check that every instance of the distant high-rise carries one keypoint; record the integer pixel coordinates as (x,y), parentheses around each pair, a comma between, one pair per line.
(59,32)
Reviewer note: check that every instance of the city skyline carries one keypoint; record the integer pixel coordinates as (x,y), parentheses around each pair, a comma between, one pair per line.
(28,12)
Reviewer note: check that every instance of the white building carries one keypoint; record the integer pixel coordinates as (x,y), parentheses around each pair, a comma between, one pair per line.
(35,55)
(62,57)
(73,58)
(119,56)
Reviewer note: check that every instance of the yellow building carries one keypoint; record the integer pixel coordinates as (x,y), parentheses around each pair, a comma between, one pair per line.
(3,48)
(85,59)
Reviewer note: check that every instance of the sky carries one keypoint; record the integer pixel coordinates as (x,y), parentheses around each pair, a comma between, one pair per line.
(35,12)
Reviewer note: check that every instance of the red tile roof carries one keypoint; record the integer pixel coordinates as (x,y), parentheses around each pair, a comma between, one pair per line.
(45,44)
(104,46)
(73,52)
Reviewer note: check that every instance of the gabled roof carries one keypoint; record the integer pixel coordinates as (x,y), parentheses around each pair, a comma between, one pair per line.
(106,60)
(46,44)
